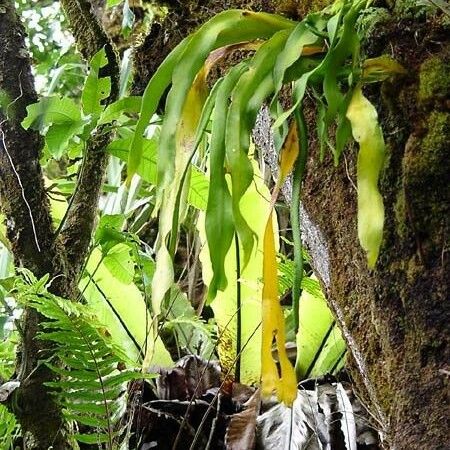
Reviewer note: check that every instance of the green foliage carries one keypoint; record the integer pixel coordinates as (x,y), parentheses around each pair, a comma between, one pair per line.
(319,342)
(59,119)
(9,429)
(330,74)
(318,56)
(93,377)
(96,89)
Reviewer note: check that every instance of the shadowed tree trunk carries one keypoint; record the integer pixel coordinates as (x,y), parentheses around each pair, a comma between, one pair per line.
(24,201)
(394,318)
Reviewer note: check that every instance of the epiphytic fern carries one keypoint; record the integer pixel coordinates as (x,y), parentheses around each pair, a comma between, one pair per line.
(92,373)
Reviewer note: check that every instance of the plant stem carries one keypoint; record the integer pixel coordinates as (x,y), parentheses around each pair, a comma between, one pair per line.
(238,311)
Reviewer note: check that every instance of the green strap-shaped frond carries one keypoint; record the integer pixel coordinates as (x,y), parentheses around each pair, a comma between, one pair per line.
(252,89)
(345,47)
(150,100)
(219,218)
(366,131)
(301,37)
(229,27)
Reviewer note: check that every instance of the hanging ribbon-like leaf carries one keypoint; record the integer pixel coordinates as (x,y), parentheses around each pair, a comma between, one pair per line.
(273,319)
(366,131)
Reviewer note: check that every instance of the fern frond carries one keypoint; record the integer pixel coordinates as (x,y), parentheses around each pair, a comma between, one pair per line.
(90,386)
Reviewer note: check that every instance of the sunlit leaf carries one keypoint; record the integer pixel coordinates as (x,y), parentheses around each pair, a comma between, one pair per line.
(254,202)
(366,131)
(122,308)
(58,118)
(96,88)
(115,110)
(119,262)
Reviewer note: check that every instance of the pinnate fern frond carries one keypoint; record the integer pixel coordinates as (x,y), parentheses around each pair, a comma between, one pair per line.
(92,377)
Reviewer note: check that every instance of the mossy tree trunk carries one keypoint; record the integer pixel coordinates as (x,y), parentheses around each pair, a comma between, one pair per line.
(395,318)
(34,242)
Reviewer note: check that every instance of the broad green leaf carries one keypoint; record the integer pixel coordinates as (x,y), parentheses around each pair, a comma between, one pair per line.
(255,205)
(366,131)
(115,110)
(147,164)
(119,262)
(198,189)
(315,321)
(59,135)
(51,110)
(96,89)
(111,299)
(58,118)
(332,352)
(109,232)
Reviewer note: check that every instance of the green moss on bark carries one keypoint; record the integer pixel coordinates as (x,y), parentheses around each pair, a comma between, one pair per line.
(434,78)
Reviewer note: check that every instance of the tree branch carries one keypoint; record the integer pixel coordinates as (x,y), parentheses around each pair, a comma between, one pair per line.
(80,219)
(23,197)
(29,229)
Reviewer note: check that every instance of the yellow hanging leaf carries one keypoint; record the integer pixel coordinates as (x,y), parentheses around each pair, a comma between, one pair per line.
(269,372)
(366,131)
(289,154)
(273,319)
(164,274)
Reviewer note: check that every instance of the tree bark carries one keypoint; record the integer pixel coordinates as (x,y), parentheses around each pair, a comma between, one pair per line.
(24,202)
(394,318)
(29,229)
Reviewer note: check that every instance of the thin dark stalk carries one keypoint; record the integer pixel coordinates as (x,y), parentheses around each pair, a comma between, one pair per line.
(319,350)
(239,311)
(183,423)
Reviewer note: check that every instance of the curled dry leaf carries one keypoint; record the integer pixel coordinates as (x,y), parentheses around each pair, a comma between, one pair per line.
(241,431)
